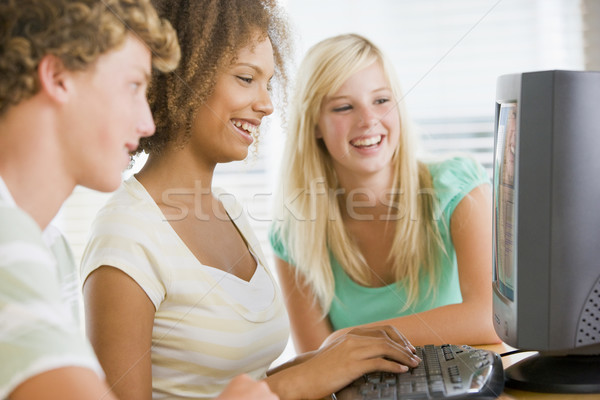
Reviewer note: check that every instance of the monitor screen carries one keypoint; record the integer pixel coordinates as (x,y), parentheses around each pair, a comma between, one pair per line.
(504,214)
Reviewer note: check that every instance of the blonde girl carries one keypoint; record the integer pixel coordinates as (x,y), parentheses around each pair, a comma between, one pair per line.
(365,233)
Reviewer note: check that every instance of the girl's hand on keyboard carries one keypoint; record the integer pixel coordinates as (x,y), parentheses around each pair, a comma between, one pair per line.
(391,331)
(342,360)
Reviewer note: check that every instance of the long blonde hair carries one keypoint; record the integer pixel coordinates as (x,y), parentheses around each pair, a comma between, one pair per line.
(308,219)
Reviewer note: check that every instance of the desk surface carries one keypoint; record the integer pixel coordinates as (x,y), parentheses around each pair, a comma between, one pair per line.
(512,394)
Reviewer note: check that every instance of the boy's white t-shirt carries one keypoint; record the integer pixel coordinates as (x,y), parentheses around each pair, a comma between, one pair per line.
(39,326)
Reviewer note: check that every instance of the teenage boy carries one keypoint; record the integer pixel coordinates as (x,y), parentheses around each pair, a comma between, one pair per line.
(73,77)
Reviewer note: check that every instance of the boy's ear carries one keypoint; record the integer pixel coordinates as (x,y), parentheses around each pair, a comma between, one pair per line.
(54,77)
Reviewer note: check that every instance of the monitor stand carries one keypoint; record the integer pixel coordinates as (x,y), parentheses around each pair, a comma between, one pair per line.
(555,374)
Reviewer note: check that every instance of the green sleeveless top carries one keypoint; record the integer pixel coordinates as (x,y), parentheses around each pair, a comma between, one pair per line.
(354,304)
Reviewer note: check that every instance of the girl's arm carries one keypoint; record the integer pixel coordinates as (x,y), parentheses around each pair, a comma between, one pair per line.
(469,322)
(309,327)
(119,319)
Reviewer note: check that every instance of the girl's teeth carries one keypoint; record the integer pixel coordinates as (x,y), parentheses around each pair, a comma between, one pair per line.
(367,142)
(246,126)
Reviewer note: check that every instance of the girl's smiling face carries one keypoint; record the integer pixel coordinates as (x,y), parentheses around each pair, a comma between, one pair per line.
(360,124)
(226,124)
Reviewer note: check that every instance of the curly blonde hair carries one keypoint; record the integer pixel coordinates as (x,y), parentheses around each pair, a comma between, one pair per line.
(210,33)
(77,32)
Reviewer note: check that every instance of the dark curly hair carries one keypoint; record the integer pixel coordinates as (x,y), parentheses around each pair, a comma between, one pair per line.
(77,32)
(210,34)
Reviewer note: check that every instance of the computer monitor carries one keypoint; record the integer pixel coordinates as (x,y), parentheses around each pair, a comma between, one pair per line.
(546,226)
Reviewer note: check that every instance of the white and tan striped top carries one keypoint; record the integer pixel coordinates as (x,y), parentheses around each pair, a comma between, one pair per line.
(210,325)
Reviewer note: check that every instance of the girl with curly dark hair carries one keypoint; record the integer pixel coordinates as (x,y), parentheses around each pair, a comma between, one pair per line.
(179,298)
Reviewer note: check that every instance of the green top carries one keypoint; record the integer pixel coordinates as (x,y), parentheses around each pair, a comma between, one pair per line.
(354,304)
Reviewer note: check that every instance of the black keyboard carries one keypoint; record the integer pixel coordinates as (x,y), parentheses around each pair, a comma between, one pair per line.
(446,372)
